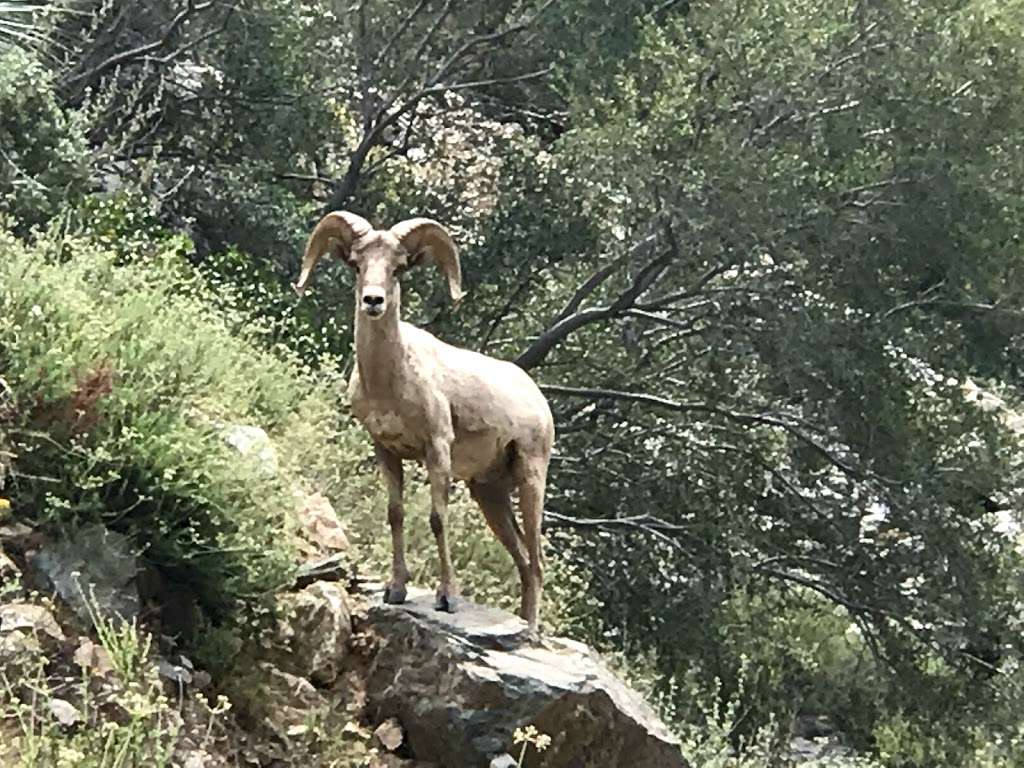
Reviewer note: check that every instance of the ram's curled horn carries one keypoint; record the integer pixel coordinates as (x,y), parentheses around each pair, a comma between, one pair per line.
(429,243)
(338,229)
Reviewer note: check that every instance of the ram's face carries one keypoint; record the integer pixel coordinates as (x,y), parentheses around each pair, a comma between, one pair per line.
(377,259)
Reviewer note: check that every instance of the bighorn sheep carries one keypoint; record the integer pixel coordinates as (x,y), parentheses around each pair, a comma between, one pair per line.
(463,414)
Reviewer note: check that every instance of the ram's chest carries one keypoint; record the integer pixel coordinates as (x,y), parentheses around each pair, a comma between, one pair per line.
(388,428)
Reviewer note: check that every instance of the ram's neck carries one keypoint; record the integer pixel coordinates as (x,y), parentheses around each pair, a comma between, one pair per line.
(379,352)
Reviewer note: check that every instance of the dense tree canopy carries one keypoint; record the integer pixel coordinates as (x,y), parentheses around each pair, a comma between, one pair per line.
(763,257)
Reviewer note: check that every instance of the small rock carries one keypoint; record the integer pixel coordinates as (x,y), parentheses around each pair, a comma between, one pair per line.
(9,573)
(253,443)
(822,749)
(336,567)
(201,680)
(19,654)
(810,726)
(389,734)
(15,534)
(93,657)
(197,759)
(64,712)
(34,619)
(504,761)
(93,564)
(176,673)
(320,524)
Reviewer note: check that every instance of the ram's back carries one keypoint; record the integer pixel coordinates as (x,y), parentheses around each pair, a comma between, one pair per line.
(495,405)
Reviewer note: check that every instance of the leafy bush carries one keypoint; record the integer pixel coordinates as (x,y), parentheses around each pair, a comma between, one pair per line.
(42,154)
(125,378)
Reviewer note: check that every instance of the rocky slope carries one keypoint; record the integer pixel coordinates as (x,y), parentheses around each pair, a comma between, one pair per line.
(342,680)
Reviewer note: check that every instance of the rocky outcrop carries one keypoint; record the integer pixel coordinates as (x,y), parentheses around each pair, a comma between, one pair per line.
(341,674)
(460,684)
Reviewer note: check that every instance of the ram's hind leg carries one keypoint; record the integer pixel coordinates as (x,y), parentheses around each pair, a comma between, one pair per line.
(391,470)
(496,504)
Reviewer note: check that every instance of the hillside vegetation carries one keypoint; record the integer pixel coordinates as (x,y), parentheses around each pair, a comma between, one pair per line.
(764,258)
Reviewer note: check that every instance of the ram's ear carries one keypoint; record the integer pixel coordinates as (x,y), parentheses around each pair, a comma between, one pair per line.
(335,233)
(429,243)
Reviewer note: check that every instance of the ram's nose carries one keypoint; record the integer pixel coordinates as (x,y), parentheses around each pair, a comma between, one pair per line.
(373,303)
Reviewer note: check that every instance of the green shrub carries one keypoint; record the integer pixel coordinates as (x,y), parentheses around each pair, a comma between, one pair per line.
(125,377)
(43,156)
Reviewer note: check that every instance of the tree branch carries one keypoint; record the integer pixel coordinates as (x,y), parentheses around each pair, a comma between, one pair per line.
(404,25)
(698,407)
(125,57)
(561,328)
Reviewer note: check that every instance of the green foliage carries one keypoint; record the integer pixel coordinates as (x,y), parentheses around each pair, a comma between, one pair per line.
(793,382)
(126,378)
(774,244)
(43,156)
(127,722)
(317,328)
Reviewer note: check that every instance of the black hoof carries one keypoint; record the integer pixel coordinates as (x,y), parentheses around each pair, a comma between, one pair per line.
(446,604)
(394,595)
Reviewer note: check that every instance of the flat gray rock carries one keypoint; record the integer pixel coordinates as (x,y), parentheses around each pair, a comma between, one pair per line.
(461,683)
(92,566)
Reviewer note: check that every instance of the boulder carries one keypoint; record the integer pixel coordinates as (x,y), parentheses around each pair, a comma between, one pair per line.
(93,565)
(461,683)
(282,703)
(313,633)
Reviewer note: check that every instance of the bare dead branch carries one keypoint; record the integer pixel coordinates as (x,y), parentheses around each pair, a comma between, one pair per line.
(480,40)
(665,403)
(592,283)
(968,306)
(125,57)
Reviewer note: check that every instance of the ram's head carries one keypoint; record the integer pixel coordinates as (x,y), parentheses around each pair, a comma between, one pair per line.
(379,256)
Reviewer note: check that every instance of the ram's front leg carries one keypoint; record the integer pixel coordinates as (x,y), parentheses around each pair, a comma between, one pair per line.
(391,470)
(439,470)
